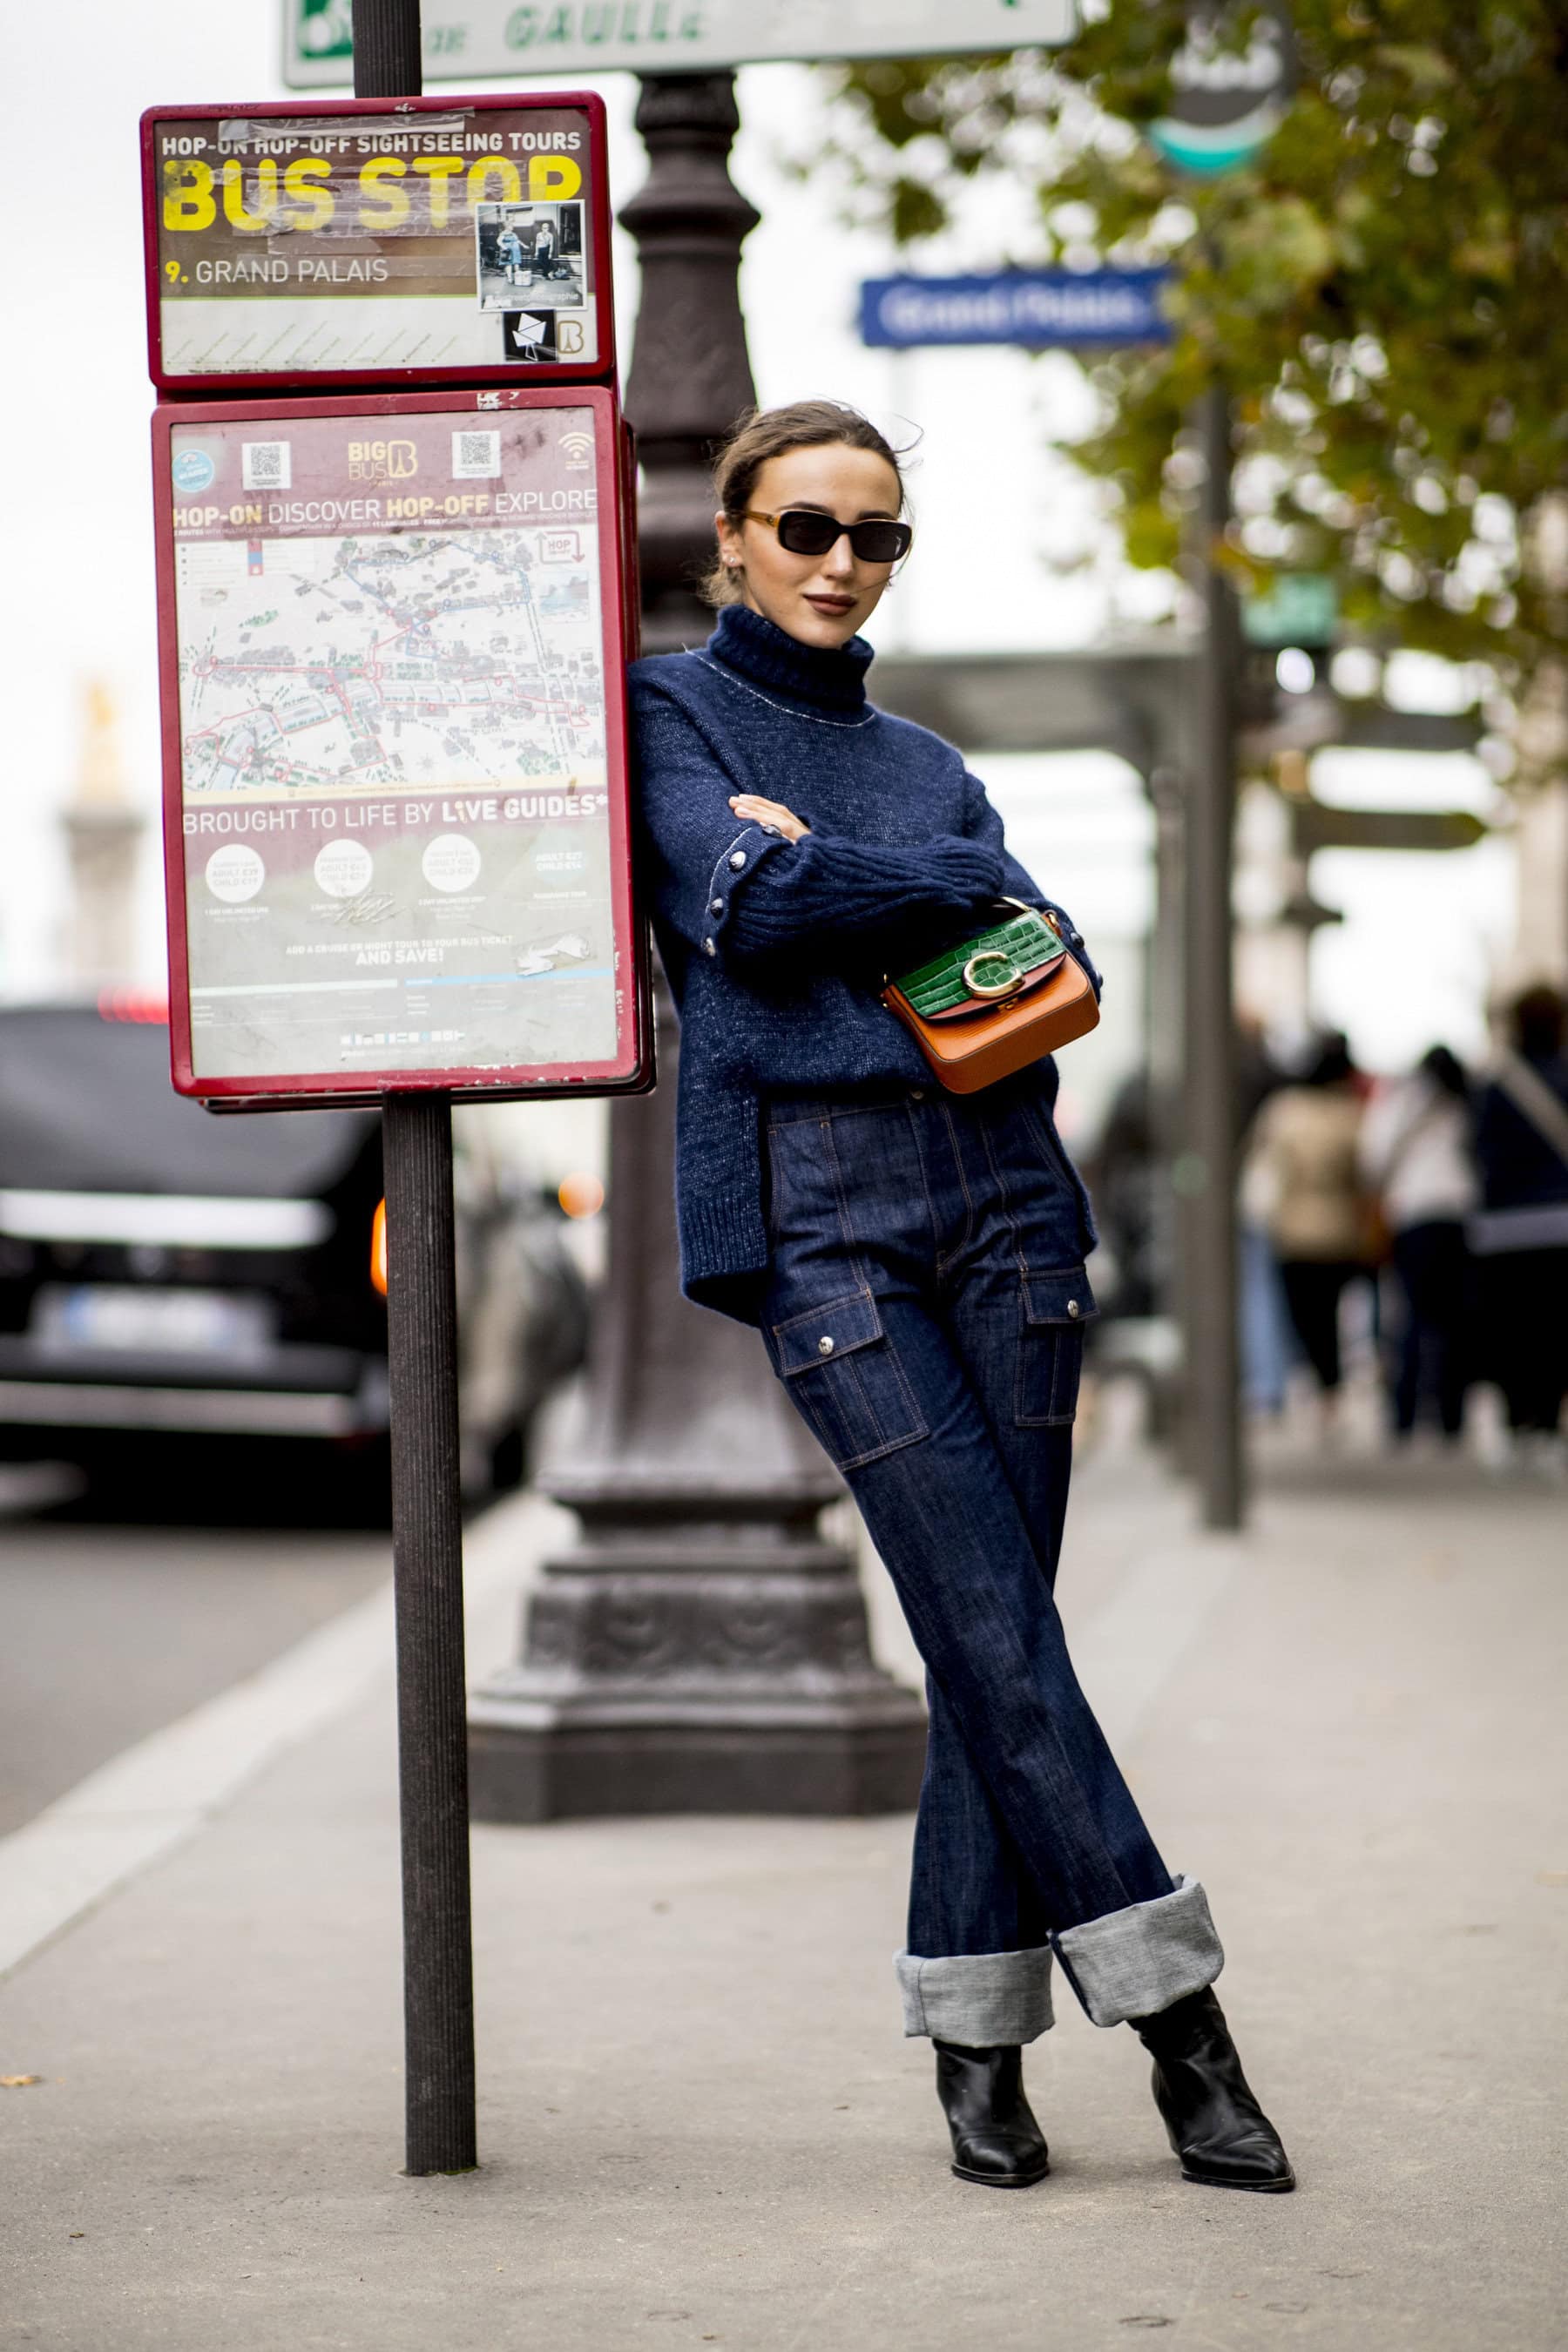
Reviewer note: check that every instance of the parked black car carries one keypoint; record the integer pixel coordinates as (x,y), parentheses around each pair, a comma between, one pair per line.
(165,1270)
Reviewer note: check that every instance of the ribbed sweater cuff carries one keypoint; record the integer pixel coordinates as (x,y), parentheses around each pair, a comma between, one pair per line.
(722,1235)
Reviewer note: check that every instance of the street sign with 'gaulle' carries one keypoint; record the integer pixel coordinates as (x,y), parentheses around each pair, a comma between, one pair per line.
(1035,307)
(464,38)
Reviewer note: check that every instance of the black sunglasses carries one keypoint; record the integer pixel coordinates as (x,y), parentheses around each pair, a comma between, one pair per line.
(802,531)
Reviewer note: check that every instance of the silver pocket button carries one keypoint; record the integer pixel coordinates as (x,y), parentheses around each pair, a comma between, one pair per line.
(825,1346)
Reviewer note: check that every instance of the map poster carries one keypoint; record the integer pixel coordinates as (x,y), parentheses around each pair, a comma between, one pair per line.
(394,756)
(364,243)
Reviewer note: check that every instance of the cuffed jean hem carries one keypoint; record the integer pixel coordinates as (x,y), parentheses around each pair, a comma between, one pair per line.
(1136,1962)
(979,2000)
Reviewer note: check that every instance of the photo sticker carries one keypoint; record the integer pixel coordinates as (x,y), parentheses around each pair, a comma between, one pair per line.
(266,465)
(529,334)
(530,254)
(475,456)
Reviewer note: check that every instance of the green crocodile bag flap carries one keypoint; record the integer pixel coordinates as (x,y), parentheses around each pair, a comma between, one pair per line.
(976,974)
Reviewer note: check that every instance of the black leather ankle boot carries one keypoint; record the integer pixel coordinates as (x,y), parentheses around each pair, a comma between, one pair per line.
(995,2139)
(1217,2126)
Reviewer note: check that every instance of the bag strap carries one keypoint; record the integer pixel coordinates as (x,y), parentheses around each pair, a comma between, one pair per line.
(1535,1102)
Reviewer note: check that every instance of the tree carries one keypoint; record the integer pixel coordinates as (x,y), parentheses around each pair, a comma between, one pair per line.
(1384,290)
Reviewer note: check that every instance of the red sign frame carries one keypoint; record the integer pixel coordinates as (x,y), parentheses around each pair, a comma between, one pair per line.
(400,111)
(632,1070)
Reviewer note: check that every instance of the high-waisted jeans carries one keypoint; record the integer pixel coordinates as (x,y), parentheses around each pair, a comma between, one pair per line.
(926,1308)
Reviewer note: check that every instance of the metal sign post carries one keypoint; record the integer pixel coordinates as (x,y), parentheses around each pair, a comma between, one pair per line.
(440,2128)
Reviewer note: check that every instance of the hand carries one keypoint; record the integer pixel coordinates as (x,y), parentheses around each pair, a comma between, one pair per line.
(757,811)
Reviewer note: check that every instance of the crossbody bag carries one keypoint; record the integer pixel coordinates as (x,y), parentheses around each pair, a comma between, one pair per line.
(995,1003)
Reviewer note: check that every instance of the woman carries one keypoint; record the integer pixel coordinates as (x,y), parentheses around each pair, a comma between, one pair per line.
(1302,1164)
(915,1262)
(1417,1154)
(510,250)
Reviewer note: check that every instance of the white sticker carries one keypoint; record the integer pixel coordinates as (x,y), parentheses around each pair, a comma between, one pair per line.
(234,873)
(475,456)
(343,868)
(266,465)
(451,862)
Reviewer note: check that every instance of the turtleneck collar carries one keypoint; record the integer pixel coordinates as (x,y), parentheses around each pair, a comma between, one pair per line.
(833,680)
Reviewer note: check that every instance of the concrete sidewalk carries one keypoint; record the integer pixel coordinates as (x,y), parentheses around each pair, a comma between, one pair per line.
(698,2122)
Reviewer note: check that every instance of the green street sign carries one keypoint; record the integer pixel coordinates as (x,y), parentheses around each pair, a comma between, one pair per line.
(467,40)
(1314,826)
(1299,608)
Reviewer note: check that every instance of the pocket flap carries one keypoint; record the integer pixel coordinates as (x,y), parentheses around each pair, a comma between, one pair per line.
(824,1332)
(1062,1295)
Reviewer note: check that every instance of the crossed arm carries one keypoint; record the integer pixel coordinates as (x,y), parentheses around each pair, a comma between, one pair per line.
(747,878)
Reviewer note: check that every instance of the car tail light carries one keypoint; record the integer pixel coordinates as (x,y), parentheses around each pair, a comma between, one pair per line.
(378,1248)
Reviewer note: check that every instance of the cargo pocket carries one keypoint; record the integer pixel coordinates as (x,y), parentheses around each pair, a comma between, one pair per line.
(1054,1310)
(837,1364)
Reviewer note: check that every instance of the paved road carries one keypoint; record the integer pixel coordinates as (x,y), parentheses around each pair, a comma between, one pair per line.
(113,1630)
(700,2125)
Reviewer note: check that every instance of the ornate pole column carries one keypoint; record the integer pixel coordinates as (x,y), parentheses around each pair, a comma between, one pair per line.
(701,1649)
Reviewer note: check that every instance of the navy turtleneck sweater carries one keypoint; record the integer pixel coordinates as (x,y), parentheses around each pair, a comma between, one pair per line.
(776,950)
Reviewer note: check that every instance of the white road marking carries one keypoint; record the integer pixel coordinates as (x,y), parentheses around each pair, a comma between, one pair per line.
(122,1817)
(125,1816)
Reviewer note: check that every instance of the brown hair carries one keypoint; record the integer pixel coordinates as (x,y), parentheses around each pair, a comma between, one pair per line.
(765,433)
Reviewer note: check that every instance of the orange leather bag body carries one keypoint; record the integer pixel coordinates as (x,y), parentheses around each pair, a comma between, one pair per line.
(996,1003)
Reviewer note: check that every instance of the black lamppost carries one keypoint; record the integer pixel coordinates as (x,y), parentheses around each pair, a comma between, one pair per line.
(701,1648)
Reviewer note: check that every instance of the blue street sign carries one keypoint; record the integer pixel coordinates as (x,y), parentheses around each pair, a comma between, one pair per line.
(1033,307)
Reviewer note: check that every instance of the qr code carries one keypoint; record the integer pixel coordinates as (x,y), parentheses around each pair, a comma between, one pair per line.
(266,465)
(475,456)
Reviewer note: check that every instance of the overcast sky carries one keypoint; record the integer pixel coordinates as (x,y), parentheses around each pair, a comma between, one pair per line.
(992,496)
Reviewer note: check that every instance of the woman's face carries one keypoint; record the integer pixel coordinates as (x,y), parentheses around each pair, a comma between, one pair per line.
(820,599)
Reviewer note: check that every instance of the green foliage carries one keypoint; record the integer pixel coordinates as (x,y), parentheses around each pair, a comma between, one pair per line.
(1384,290)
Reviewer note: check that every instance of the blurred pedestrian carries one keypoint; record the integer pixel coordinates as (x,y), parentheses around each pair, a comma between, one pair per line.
(509,247)
(1417,1156)
(1265,1349)
(1521,1232)
(1303,1178)
(915,1261)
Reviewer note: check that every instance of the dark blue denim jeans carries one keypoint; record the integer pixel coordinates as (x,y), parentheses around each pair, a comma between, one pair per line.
(926,1309)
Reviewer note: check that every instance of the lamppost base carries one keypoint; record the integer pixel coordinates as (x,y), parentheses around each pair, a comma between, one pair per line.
(532,1763)
(665,1677)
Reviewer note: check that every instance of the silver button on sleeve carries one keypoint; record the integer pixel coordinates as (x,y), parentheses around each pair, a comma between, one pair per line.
(1072,1309)
(715,906)
(737,860)
(708,948)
